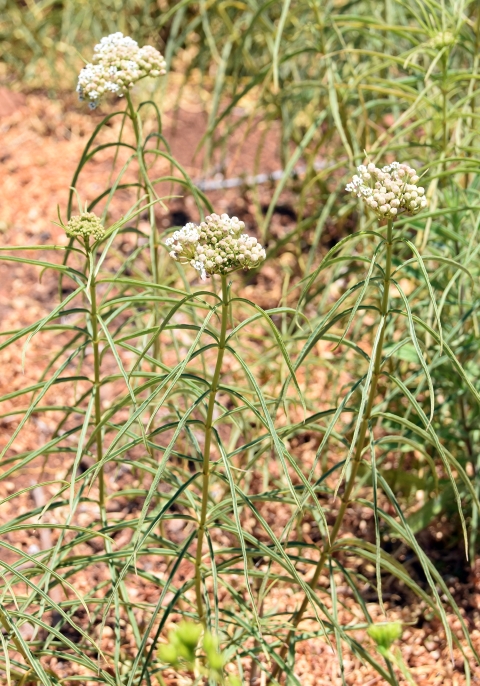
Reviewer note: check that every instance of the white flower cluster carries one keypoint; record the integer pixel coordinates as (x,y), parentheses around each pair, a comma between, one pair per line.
(216,246)
(84,226)
(118,63)
(389,191)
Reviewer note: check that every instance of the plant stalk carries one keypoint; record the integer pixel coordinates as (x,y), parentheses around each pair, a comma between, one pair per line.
(148,186)
(154,239)
(99,443)
(206,452)
(96,386)
(276,673)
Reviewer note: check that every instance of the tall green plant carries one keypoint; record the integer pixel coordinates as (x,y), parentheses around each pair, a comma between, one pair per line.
(389,192)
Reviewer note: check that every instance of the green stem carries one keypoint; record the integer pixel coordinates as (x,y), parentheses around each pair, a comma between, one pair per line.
(133,117)
(96,390)
(206,452)
(154,240)
(358,450)
(99,443)
(148,186)
(445,109)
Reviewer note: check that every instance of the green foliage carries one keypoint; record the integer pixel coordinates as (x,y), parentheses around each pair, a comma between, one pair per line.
(187,396)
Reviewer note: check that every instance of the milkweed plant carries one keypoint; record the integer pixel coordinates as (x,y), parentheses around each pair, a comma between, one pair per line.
(178,511)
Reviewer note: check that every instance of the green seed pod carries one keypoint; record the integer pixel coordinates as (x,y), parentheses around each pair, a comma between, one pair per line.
(167,653)
(385,634)
(210,643)
(185,652)
(188,634)
(216,661)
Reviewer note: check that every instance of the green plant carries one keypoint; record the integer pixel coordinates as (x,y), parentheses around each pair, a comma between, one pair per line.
(397,328)
(176,410)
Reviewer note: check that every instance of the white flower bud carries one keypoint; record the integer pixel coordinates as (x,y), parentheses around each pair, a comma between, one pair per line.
(217,246)
(118,63)
(389,191)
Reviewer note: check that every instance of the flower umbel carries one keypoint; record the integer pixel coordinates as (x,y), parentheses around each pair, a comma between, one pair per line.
(117,64)
(216,246)
(389,191)
(84,226)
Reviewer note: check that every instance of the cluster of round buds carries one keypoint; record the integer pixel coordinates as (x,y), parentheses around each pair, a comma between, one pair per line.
(443,39)
(86,226)
(216,246)
(118,63)
(389,191)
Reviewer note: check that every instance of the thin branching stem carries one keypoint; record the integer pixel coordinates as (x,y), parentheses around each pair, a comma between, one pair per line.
(358,450)
(208,443)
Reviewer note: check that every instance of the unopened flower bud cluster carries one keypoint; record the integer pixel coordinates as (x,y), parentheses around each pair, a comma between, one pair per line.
(443,39)
(86,226)
(118,63)
(216,246)
(389,191)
